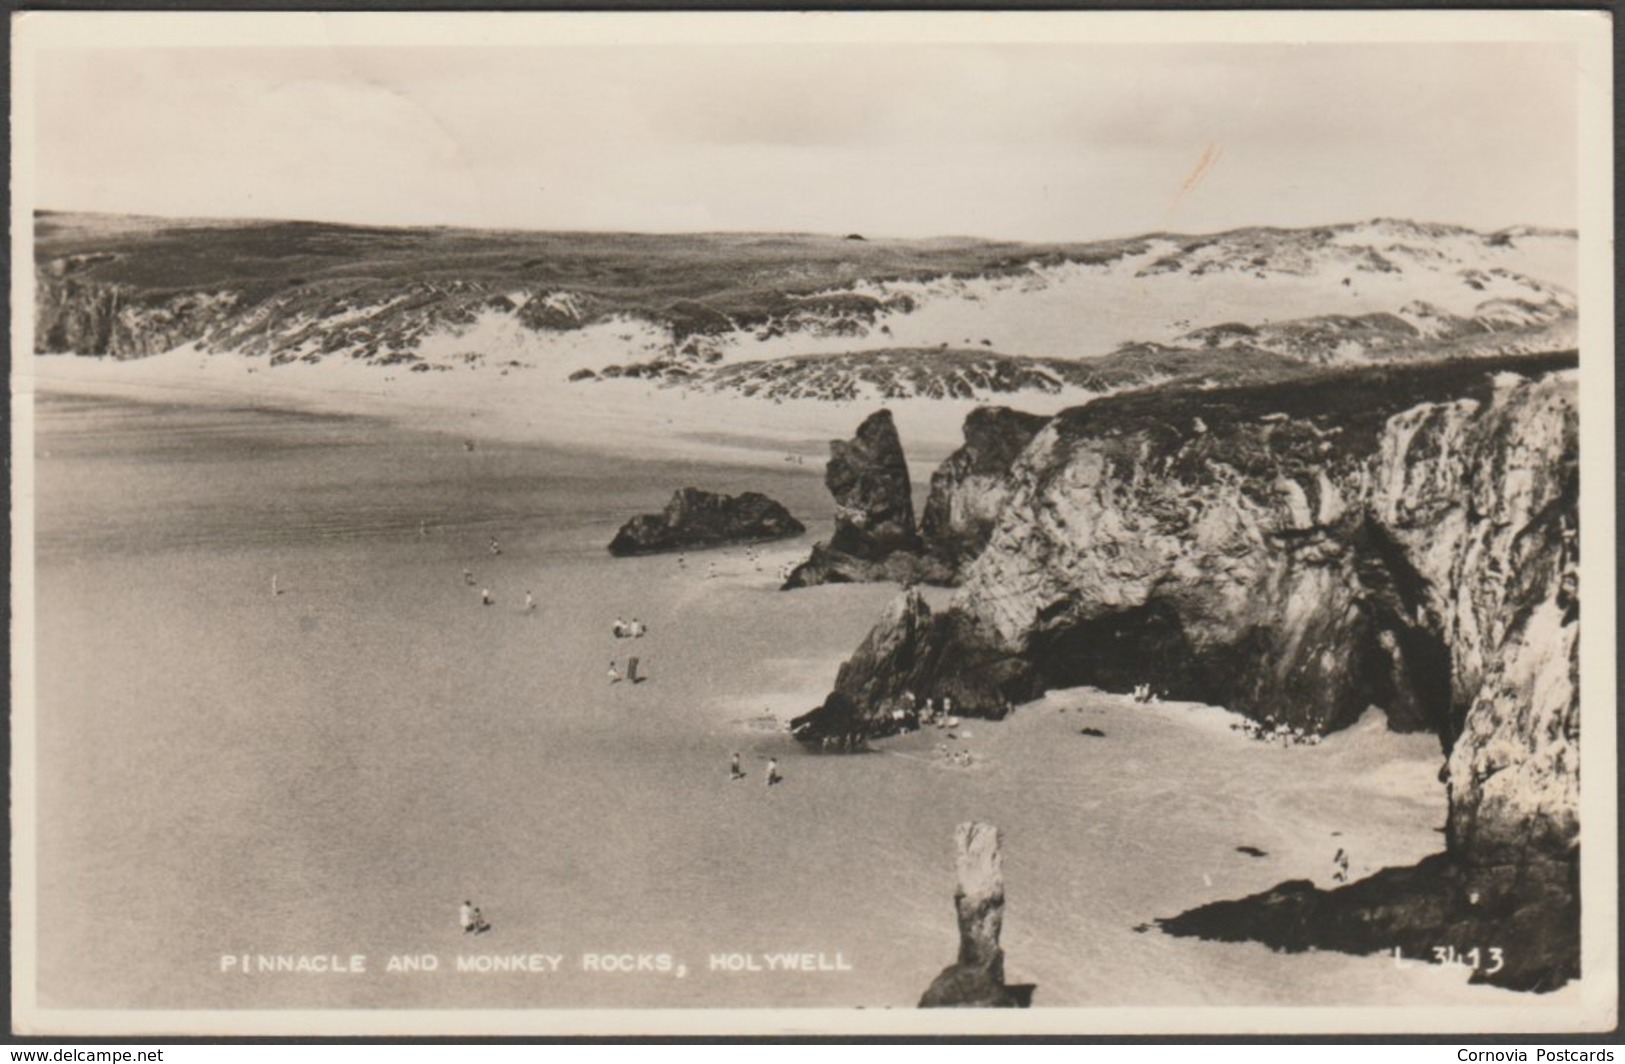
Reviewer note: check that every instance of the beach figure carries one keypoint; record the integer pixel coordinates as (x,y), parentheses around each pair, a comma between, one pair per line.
(466,916)
(1340,863)
(632,671)
(494,548)
(468,577)
(485,596)
(274,589)
(734,771)
(619,629)
(682,562)
(614,673)
(712,572)
(772,771)
(480,926)
(947,706)
(530,602)
(637,628)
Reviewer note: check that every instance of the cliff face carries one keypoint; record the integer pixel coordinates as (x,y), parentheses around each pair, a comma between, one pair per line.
(970,488)
(1403,538)
(89,318)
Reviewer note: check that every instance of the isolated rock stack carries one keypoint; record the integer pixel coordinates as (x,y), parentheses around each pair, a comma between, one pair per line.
(695,518)
(875,535)
(976,980)
(868,476)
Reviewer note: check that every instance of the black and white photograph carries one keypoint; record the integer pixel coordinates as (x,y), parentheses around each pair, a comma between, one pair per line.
(825,523)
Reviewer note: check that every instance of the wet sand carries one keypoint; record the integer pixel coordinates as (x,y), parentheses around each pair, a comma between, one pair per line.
(332,769)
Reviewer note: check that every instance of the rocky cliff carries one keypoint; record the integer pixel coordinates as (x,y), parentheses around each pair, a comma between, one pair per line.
(970,488)
(1403,537)
(695,518)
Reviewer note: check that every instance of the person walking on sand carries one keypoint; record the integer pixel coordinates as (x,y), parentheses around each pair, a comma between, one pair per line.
(772,771)
(632,670)
(734,771)
(614,673)
(530,602)
(485,596)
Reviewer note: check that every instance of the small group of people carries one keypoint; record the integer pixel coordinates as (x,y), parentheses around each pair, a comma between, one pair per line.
(736,772)
(1143,693)
(846,743)
(636,629)
(1269,731)
(472,920)
(952,756)
(632,673)
(1340,866)
(487,599)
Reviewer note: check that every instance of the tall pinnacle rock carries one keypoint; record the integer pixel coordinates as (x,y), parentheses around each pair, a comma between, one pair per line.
(875,535)
(976,980)
(868,476)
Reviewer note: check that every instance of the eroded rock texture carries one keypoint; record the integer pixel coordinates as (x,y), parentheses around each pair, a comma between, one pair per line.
(1403,537)
(695,518)
(976,979)
(970,488)
(875,537)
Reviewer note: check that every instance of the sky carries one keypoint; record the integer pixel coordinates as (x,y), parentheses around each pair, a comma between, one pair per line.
(1030,141)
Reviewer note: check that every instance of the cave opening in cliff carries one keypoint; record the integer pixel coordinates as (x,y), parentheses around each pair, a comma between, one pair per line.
(1407,665)
(1143,645)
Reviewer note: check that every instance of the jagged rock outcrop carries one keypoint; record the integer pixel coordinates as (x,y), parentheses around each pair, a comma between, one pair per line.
(695,518)
(970,488)
(976,979)
(1404,537)
(874,507)
(875,537)
(77,316)
(1515,925)
(874,540)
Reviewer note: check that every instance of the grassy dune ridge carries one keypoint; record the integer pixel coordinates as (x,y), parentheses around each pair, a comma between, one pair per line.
(783,316)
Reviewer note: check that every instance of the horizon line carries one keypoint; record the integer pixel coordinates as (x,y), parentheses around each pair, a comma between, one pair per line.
(1565,231)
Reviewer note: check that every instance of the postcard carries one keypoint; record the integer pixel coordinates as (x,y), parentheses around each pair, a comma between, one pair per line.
(833,523)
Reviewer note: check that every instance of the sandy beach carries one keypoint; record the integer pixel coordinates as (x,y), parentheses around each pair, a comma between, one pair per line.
(331,769)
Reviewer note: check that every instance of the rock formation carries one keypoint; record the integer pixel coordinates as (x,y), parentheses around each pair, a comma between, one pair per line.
(976,979)
(695,518)
(1520,918)
(868,475)
(875,537)
(970,488)
(1397,536)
